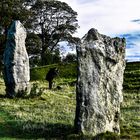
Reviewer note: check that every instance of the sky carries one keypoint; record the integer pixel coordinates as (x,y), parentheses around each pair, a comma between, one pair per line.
(113,18)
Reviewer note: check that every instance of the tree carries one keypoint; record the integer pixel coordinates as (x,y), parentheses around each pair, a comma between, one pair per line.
(2,39)
(11,10)
(54,57)
(47,23)
(70,57)
(54,21)
(33,44)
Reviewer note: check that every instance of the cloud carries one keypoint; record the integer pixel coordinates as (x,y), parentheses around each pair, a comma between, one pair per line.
(84,1)
(136,20)
(110,17)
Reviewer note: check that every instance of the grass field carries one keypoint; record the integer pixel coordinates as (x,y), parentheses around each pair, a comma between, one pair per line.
(130,122)
(49,114)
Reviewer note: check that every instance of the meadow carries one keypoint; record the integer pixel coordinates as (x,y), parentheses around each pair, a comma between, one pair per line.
(49,114)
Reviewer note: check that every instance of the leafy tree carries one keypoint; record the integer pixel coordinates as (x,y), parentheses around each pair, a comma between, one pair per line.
(11,10)
(53,57)
(33,44)
(70,57)
(54,21)
(2,38)
(47,22)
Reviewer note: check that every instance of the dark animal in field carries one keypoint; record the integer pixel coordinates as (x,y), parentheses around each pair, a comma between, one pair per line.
(52,73)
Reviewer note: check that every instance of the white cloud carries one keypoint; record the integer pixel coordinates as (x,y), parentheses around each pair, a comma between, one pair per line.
(110,17)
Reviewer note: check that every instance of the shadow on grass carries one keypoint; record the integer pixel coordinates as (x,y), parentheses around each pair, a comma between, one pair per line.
(18,129)
(48,131)
(2,96)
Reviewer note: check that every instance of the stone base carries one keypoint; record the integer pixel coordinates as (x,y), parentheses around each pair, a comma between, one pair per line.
(18,90)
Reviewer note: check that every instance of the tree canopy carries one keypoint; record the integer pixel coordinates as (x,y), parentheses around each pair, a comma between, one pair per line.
(70,57)
(47,22)
(54,21)
(11,10)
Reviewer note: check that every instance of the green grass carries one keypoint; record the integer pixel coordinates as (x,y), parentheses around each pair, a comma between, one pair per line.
(46,116)
(49,114)
(66,70)
(130,122)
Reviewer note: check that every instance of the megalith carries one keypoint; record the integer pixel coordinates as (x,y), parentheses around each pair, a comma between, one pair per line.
(101,64)
(16,61)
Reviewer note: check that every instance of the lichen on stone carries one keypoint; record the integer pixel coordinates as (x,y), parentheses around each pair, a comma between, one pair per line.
(101,64)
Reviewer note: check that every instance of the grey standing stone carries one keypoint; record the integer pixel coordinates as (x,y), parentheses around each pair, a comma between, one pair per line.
(16,61)
(101,64)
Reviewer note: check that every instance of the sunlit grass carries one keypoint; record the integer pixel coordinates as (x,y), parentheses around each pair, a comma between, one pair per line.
(2,86)
(130,109)
(53,111)
(49,114)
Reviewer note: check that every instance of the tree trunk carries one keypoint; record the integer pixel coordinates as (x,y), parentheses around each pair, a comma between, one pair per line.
(43,54)
(43,57)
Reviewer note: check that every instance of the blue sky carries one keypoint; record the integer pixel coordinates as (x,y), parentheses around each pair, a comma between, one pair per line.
(113,18)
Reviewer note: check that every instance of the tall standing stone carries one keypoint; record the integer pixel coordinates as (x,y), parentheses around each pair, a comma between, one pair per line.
(101,64)
(16,61)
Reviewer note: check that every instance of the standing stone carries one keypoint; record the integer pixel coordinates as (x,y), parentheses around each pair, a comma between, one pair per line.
(101,64)
(16,61)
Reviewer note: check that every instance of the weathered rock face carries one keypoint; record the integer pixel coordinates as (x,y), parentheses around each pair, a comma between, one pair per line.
(101,64)
(16,61)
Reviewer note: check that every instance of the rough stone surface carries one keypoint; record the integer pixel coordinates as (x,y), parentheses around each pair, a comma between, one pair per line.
(101,64)
(16,61)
